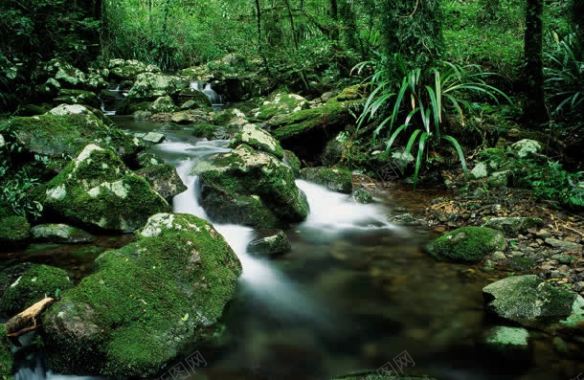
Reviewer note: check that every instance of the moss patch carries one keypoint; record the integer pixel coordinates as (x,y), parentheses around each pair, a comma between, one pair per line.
(467,244)
(334,179)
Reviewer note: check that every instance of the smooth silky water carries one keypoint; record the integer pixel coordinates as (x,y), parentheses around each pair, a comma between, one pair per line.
(354,293)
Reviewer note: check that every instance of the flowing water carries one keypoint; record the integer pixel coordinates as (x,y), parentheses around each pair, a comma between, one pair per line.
(355,293)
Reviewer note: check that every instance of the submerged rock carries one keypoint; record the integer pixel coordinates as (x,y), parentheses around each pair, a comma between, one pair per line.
(97,189)
(467,244)
(513,225)
(334,179)
(164,180)
(60,233)
(25,284)
(505,339)
(146,303)
(273,243)
(250,187)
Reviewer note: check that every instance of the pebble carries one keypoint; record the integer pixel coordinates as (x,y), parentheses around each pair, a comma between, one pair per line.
(498,256)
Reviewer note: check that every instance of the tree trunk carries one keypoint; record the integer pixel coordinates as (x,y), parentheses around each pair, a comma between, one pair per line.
(535,109)
(334,9)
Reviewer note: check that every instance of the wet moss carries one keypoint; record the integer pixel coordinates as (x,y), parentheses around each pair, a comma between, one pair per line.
(14,229)
(467,244)
(334,179)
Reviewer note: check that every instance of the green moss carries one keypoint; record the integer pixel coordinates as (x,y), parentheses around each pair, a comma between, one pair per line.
(334,179)
(503,337)
(281,104)
(33,284)
(467,244)
(293,161)
(207,131)
(258,139)
(6,359)
(147,301)
(70,96)
(14,229)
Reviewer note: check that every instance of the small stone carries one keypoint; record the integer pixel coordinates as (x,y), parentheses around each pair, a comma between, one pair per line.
(480,170)
(563,244)
(499,256)
(154,137)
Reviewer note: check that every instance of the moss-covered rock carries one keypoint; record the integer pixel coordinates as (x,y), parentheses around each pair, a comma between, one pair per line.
(271,243)
(280,103)
(258,139)
(467,244)
(73,96)
(164,180)
(193,99)
(66,133)
(149,86)
(146,304)
(334,179)
(205,130)
(14,230)
(505,339)
(529,300)
(122,69)
(513,225)
(97,189)
(162,104)
(362,196)
(250,187)
(60,233)
(25,284)
(189,117)
(6,359)
(293,162)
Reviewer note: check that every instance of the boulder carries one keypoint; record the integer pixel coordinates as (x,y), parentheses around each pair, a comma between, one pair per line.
(281,103)
(334,179)
(189,117)
(96,189)
(164,180)
(162,104)
(467,244)
(63,74)
(258,139)
(122,69)
(25,284)
(149,86)
(293,162)
(193,99)
(250,187)
(530,301)
(272,243)
(512,226)
(60,233)
(146,303)
(73,96)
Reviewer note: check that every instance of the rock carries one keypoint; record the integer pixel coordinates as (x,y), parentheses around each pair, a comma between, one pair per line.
(281,104)
(250,187)
(146,303)
(528,300)
(149,86)
(25,284)
(513,225)
(362,196)
(61,135)
(70,109)
(14,230)
(230,118)
(564,245)
(6,359)
(70,96)
(164,180)
(60,233)
(194,99)
(64,74)
(499,256)
(162,104)
(274,243)
(334,179)
(467,244)
(258,139)
(121,69)
(98,190)
(525,148)
(189,117)
(153,137)
(293,162)
(480,170)
(505,339)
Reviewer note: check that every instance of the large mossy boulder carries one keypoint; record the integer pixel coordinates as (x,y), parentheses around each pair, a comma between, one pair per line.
(6,359)
(123,70)
(66,133)
(164,180)
(96,189)
(258,139)
(250,187)
(146,303)
(334,179)
(25,284)
(279,104)
(60,234)
(467,244)
(150,86)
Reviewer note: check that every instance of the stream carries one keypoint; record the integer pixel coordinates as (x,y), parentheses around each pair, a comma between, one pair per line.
(355,293)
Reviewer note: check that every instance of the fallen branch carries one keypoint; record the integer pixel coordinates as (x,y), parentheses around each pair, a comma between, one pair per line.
(27,320)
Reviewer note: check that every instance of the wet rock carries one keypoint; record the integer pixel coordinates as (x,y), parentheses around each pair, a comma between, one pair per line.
(98,190)
(293,162)
(25,284)
(162,104)
(506,339)
(164,180)
(513,226)
(60,233)
(189,117)
(525,148)
(258,139)
(528,300)
(362,196)
(467,244)
(273,243)
(250,187)
(334,179)
(153,137)
(146,303)
(564,245)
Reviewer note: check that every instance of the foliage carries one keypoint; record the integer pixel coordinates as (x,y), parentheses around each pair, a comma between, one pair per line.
(550,181)
(421,104)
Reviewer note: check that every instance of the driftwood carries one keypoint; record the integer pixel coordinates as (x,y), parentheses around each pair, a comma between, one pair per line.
(26,320)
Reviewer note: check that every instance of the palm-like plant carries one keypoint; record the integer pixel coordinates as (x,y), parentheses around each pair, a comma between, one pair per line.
(420,104)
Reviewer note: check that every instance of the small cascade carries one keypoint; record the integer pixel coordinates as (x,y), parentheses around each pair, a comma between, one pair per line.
(111,100)
(206,88)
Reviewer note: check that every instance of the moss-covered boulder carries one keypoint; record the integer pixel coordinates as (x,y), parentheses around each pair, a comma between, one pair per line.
(293,162)
(96,189)
(162,104)
(6,359)
(129,69)
(66,133)
(25,284)
(250,187)
(164,180)
(60,233)
(149,86)
(146,304)
(74,96)
(14,230)
(258,139)
(467,244)
(334,179)
(193,99)
(280,103)
(270,243)
(529,300)
(512,226)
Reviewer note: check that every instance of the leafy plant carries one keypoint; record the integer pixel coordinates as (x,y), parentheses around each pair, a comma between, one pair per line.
(420,104)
